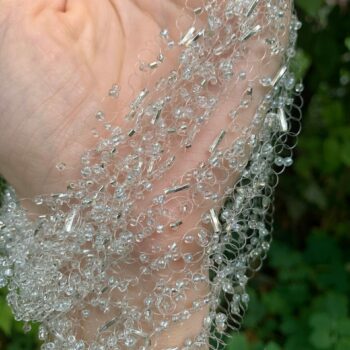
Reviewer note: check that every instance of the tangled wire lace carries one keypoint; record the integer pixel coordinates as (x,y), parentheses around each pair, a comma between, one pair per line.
(115,255)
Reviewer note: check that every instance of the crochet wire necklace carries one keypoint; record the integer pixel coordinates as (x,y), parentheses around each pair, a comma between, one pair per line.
(172,213)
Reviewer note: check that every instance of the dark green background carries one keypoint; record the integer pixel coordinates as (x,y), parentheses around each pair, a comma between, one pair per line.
(300,299)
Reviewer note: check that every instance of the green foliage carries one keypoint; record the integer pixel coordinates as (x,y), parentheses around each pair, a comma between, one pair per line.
(6,318)
(310,7)
(12,336)
(299,301)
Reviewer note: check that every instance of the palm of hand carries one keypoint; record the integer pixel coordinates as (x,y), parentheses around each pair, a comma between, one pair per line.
(50,94)
(73,52)
(57,63)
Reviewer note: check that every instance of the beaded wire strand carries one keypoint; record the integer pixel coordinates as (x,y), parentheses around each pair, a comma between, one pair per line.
(118,242)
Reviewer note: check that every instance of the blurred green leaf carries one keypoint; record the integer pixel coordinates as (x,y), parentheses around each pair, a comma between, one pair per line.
(321,248)
(315,195)
(311,7)
(343,327)
(253,318)
(333,113)
(347,43)
(321,322)
(300,64)
(296,342)
(22,342)
(335,304)
(343,344)
(238,342)
(272,346)
(275,302)
(332,153)
(322,340)
(6,317)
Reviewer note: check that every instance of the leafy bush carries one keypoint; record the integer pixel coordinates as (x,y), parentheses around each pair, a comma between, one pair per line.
(300,299)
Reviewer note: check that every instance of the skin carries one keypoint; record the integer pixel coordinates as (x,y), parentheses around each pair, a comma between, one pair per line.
(58,58)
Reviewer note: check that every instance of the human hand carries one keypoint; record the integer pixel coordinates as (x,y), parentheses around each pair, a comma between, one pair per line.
(57,61)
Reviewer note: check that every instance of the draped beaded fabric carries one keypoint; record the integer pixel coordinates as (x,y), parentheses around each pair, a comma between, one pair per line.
(116,253)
